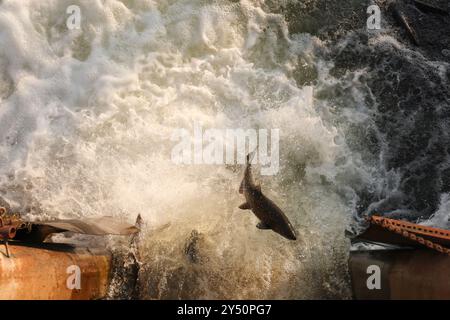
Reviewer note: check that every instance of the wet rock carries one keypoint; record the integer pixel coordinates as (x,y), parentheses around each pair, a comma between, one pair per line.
(126,268)
(305,73)
(124,276)
(191,249)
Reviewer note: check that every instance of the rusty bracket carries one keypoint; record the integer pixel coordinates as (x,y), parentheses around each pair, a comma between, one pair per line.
(9,224)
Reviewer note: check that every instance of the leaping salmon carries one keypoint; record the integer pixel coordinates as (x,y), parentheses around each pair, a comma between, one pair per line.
(270,215)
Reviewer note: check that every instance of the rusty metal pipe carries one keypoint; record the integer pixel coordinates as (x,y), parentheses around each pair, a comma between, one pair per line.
(41,272)
(405,274)
(7,232)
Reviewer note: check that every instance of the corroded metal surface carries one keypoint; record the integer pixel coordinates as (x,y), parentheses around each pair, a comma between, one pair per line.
(405,274)
(9,224)
(7,232)
(383,229)
(41,272)
(32,269)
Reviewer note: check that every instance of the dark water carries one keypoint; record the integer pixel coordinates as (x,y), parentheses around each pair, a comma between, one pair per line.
(406,98)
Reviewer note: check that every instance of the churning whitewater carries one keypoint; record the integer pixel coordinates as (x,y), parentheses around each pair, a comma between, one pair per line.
(87,117)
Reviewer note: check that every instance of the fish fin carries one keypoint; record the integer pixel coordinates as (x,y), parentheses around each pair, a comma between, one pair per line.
(245,206)
(250,156)
(241,187)
(262,226)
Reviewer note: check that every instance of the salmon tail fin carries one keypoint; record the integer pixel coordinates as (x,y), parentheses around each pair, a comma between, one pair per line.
(250,156)
(248,180)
